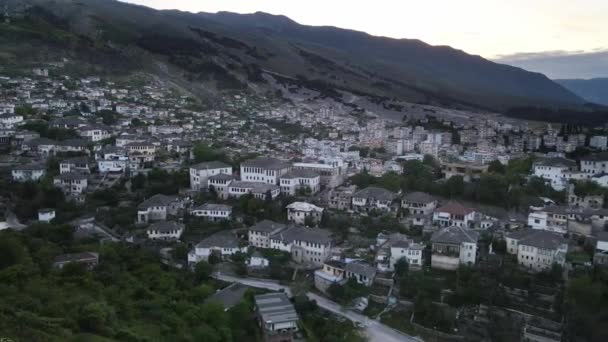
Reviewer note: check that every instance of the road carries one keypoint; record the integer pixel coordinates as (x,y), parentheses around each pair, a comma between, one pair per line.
(376,331)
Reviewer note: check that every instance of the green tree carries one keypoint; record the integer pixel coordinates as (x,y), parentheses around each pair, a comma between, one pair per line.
(203,270)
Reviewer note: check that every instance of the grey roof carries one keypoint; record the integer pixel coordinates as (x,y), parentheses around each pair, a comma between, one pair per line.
(229,296)
(77,257)
(275,308)
(267,226)
(30,167)
(455,235)
(166,226)
(214,206)
(40,141)
(254,187)
(222,239)
(602,236)
(299,233)
(158,200)
(602,156)
(555,161)
(336,264)
(300,173)
(419,197)
(266,163)
(542,239)
(375,193)
(76,160)
(361,268)
(210,165)
(73,142)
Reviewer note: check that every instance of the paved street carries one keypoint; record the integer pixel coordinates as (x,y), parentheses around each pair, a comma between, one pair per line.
(376,331)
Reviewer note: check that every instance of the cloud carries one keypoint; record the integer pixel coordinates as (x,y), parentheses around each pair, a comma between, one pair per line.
(561,64)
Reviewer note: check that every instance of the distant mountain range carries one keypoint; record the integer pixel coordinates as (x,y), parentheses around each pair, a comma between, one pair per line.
(594,90)
(233,51)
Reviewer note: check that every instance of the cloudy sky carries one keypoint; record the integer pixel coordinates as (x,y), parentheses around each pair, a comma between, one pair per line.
(494,29)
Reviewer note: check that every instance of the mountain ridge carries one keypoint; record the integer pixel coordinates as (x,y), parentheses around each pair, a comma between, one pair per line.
(243,44)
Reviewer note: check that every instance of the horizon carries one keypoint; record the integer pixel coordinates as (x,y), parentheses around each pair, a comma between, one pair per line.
(506,32)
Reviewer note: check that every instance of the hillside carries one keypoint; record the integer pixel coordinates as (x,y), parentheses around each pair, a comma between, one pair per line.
(593,90)
(232,51)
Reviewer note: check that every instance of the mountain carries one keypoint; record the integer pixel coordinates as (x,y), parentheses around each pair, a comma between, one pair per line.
(593,90)
(238,51)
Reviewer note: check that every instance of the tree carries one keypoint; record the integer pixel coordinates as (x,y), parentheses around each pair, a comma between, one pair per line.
(11,251)
(204,153)
(401,267)
(203,270)
(496,166)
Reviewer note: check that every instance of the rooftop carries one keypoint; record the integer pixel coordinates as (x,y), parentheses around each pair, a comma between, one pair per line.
(303,206)
(455,208)
(166,226)
(275,308)
(158,200)
(222,239)
(210,165)
(266,163)
(380,194)
(455,235)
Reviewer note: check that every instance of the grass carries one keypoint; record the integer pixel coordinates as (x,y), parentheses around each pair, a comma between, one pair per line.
(399,320)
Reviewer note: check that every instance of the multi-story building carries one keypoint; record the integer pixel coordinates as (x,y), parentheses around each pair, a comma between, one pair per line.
(157,208)
(223,244)
(300,180)
(260,233)
(165,230)
(264,170)
(419,203)
(72,184)
(30,172)
(219,183)
(331,175)
(212,211)
(112,160)
(599,142)
(454,246)
(258,190)
(200,173)
(77,164)
(373,198)
(454,214)
(553,218)
(340,198)
(594,164)
(306,245)
(300,212)
(556,171)
(537,250)
(407,249)
(277,317)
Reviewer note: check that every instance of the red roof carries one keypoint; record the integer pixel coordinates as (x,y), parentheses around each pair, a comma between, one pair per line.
(455,208)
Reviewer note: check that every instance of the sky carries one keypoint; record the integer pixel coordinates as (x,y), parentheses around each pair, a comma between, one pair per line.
(494,29)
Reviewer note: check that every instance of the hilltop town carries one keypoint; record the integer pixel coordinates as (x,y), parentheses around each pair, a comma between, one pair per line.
(436,223)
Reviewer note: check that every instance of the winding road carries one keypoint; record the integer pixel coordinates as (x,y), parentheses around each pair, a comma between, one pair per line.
(376,331)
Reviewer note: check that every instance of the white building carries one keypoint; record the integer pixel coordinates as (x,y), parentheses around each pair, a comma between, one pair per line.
(94,133)
(362,273)
(277,316)
(537,250)
(77,164)
(553,218)
(258,190)
(30,172)
(223,244)
(165,230)
(157,208)
(112,160)
(454,214)
(212,211)
(556,171)
(454,246)
(298,212)
(412,252)
(72,184)
(306,245)
(373,198)
(264,170)
(10,120)
(419,203)
(594,164)
(295,180)
(331,175)
(200,173)
(260,233)
(599,141)
(46,215)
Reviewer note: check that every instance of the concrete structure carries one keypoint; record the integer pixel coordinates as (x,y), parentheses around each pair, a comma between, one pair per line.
(419,203)
(332,272)
(331,176)
(361,272)
(277,317)
(165,230)
(412,252)
(260,233)
(257,189)
(200,173)
(30,172)
(373,198)
(157,208)
(46,215)
(454,246)
(299,212)
(537,250)
(112,160)
(306,245)
(213,212)
(72,184)
(219,184)
(296,180)
(594,164)
(468,171)
(556,171)
(454,214)
(264,170)
(223,244)
(77,164)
